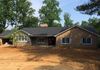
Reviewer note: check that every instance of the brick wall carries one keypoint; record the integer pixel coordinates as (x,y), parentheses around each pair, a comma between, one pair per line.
(76,34)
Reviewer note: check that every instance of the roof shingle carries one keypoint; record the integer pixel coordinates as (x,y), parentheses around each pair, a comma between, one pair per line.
(44,31)
(47,31)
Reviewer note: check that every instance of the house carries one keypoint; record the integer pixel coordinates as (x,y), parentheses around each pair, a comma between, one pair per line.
(57,36)
(4,37)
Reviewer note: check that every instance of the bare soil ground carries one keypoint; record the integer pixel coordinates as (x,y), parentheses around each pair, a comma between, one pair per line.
(49,59)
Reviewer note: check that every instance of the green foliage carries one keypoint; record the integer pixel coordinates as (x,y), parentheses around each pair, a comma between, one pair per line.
(30,22)
(5,14)
(56,24)
(1,28)
(68,22)
(84,24)
(94,22)
(76,24)
(50,12)
(24,14)
(12,36)
(17,13)
(92,7)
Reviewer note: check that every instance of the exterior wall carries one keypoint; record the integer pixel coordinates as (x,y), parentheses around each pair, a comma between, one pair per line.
(21,43)
(0,41)
(41,40)
(34,40)
(76,34)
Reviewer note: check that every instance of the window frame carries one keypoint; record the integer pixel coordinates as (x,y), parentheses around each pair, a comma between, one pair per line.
(66,42)
(21,38)
(86,41)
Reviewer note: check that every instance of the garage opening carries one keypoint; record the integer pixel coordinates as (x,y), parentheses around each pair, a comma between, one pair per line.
(7,40)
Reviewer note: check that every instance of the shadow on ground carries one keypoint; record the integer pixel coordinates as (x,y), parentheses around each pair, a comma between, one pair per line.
(89,59)
(61,67)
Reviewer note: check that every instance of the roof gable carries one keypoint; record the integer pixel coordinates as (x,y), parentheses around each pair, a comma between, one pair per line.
(87,30)
(6,33)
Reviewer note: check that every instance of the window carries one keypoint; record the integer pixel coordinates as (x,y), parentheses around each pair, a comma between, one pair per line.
(21,38)
(65,40)
(87,41)
(41,41)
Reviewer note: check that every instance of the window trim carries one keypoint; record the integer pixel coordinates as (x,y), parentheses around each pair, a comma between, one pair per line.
(21,38)
(66,43)
(86,43)
(41,41)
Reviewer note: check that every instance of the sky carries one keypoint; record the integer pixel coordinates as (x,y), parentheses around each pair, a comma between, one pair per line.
(66,6)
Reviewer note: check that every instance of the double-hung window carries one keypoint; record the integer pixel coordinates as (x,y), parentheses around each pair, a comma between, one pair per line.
(87,41)
(21,38)
(66,41)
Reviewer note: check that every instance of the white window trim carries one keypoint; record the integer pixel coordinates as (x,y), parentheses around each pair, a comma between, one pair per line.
(40,41)
(87,43)
(66,43)
(20,40)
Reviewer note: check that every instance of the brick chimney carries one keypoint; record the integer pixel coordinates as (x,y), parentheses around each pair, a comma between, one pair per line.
(43,25)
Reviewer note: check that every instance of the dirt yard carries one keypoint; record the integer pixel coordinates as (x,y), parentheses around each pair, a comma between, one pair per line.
(49,59)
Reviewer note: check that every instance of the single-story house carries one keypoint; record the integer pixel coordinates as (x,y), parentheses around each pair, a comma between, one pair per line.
(57,36)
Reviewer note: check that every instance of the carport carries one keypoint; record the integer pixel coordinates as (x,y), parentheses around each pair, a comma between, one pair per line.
(4,36)
(7,40)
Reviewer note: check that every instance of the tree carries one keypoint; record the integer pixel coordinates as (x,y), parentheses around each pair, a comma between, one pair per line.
(94,22)
(24,14)
(77,24)
(30,22)
(50,12)
(68,22)
(16,13)
(84,24)
(5,14)
(92,7)
(57,24)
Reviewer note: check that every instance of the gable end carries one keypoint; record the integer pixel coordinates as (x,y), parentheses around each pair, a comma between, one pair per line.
(79,28)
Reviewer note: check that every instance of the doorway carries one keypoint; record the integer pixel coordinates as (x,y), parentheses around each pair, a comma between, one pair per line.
(7,40)
(52,41)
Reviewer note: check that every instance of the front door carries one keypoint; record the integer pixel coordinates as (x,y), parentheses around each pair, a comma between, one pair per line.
(52,41)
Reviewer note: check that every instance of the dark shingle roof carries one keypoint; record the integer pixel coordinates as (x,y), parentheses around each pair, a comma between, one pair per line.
(51,31)
(5,33)
(43,31)
(91,29)
(46,31)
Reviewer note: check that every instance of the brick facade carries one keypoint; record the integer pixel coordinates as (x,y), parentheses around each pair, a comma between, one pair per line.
(76,34)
